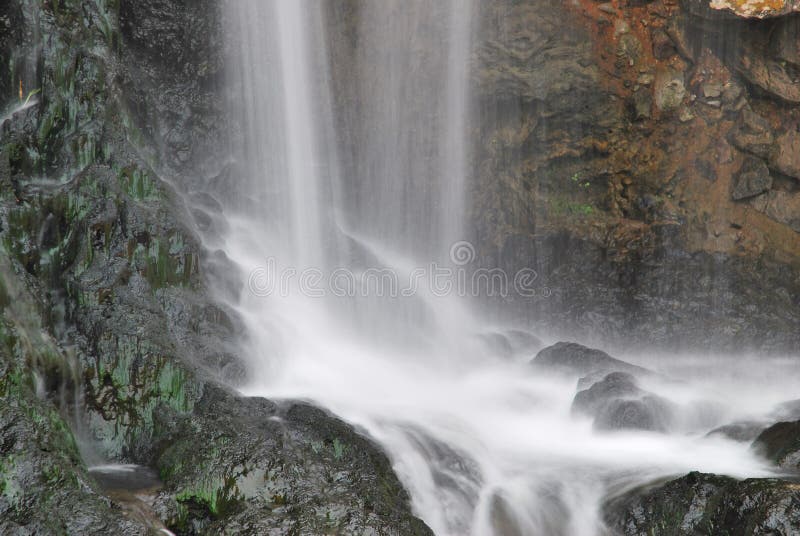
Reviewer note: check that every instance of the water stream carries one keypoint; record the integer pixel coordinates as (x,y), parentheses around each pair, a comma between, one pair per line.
(345,193)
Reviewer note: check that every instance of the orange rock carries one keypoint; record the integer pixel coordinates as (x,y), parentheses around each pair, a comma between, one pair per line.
(757,8)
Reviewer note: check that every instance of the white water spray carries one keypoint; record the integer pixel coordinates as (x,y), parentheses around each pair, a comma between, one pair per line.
(484,444)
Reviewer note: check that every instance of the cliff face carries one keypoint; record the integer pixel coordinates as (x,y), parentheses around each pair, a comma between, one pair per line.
(643,158)
(107,324)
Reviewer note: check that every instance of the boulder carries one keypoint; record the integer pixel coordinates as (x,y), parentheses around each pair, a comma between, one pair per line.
(753,179)
(576,360)
(708,504)
(739,431)
(780,443)
(248,465)
(617,403)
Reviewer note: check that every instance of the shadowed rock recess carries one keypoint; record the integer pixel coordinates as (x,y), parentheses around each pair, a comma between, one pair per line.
(640,156)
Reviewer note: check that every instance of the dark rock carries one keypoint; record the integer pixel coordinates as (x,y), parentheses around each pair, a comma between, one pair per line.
(774,77)
(781,206)
(780,443)
(663,47)
(511,343)
(44,486)
(707,504)
(787,157)
(753,179)
(679,30)
(642,103)
(739,431)
(785,40)
(617,403)
(263,463)
(577,360)
(753,134)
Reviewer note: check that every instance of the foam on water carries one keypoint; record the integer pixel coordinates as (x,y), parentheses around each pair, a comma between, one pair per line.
(483,442)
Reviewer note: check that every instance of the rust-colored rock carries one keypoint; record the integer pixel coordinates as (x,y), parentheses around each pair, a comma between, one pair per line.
(757,8)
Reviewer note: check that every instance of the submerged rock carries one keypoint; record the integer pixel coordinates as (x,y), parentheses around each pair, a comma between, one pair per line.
(510,343)
(739,431)
(617,403)
(707,504)
(577,360)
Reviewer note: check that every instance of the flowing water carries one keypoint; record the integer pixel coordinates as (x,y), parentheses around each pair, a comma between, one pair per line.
(355,184)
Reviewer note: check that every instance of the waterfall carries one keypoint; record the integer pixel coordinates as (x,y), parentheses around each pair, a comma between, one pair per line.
(360,170)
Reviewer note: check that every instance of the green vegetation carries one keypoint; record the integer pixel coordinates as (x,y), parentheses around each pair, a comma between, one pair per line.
(564,207)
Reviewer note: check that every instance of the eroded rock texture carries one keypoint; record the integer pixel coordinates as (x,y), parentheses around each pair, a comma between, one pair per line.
(642,158)
(106,309)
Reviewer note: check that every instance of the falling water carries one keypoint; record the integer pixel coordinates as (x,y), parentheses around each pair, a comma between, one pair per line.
(484,444)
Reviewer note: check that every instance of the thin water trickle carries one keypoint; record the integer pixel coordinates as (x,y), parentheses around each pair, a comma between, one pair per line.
(484,443)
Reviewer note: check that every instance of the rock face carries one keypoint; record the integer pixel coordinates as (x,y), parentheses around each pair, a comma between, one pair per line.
(753,179)
(653,181)
(282,469)
(708,504)
(106,295)
(44,486)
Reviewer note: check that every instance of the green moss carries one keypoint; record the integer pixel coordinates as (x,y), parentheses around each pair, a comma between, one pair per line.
(138,184)
(164,263)
(9,487)
(128,389)
(217,495)
(560,206)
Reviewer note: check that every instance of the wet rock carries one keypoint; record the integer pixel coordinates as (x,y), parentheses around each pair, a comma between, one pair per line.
(753,179)
(753,134)
(787,159)
(712,91)
(707,504)
(642,103)
(781,206)
(511,343)
(759,9)
(772,76)
(663,47)
(785,40)
(739,431)
(290,468)
(617,403)
(780,443)
(733,96)
(669,90)
(44,486)
(580,361)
